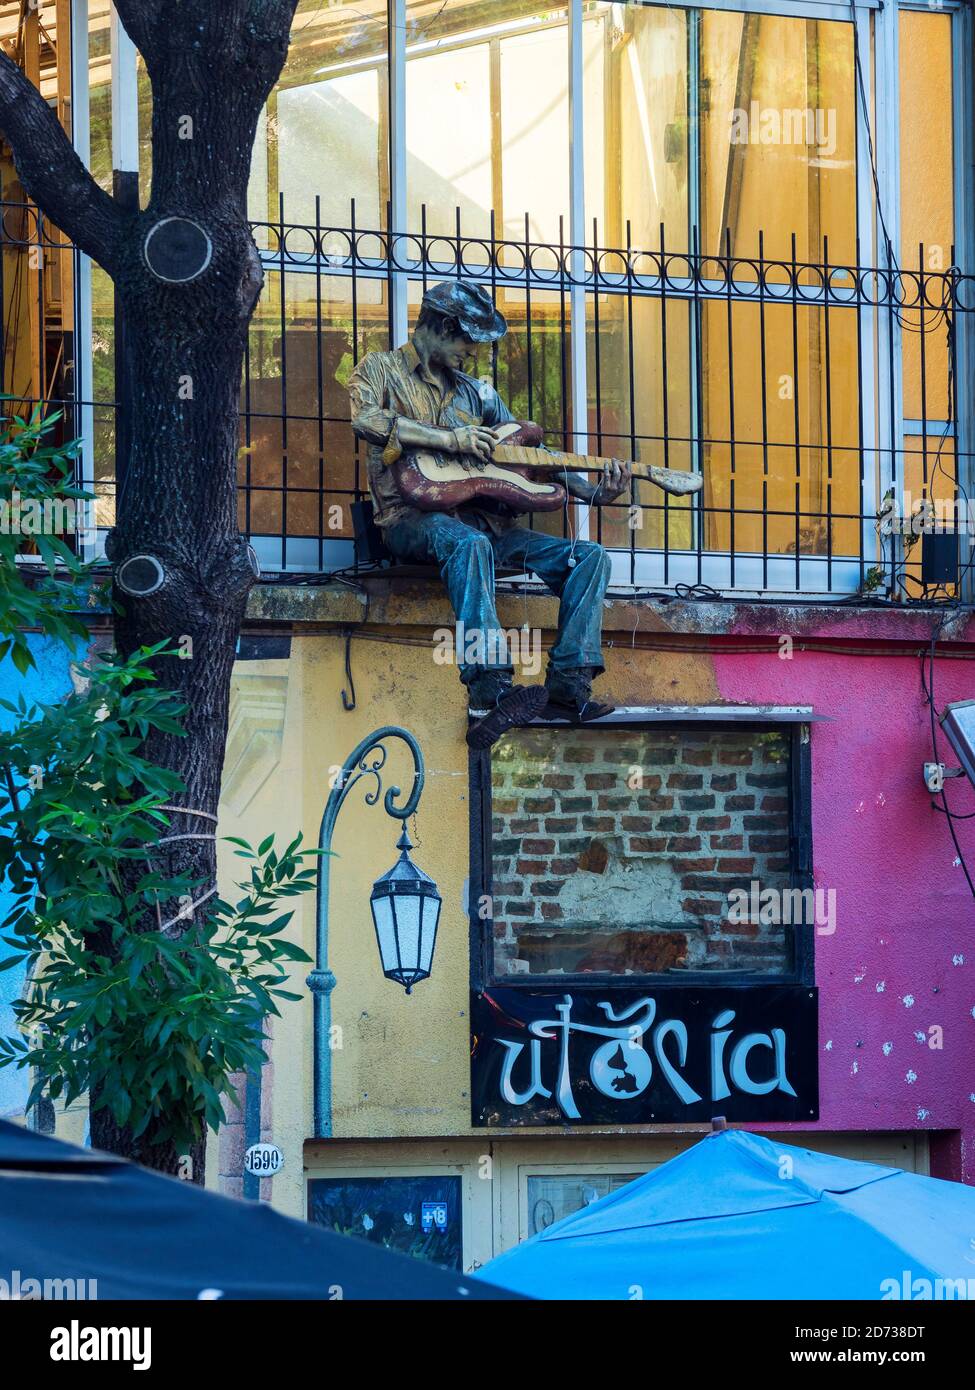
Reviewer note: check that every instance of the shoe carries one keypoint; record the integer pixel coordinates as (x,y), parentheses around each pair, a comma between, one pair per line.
(515,706)
(570,696)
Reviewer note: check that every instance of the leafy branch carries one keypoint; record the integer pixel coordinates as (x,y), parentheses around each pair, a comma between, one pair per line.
(149,1022)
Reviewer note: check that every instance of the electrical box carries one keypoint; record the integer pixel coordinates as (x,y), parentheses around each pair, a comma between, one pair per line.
(958,724)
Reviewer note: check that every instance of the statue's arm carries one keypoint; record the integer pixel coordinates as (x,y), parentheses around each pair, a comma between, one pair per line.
(578,485)
(373,421)
(615,480)
(410,434)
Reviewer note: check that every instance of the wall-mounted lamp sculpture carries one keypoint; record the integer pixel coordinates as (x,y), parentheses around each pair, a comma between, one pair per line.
(405,902)
(405,911)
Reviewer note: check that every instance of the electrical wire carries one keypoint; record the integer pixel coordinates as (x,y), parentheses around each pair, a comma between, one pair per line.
(928,687)
(892,259)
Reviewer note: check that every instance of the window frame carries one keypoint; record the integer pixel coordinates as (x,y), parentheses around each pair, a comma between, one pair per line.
(801,970)
(372,1168)
(882,408)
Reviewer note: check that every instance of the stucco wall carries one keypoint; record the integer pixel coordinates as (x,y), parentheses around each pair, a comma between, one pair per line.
(897,969)
(901,961)
(897,966)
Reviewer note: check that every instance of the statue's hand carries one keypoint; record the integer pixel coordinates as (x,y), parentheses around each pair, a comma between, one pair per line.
(476,441)
(614,482)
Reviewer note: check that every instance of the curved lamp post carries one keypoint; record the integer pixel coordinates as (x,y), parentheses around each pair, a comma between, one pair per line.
(405,902)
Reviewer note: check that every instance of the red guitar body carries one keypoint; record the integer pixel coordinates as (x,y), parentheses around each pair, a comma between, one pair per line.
(432,486)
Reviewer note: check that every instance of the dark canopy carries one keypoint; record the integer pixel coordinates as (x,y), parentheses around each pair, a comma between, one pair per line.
(70,1213)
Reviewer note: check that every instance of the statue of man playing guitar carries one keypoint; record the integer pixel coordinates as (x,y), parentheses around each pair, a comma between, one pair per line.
(433,432)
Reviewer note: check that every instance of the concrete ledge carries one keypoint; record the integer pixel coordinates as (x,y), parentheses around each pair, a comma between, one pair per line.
(422,603)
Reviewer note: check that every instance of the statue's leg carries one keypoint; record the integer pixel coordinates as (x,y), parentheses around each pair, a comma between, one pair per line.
(577,572)
(466,560)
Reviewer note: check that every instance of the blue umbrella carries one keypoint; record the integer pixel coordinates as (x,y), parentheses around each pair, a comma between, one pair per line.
(738,1216)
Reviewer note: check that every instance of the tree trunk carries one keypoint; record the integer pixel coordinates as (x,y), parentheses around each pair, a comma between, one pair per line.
(177,504)
(188,275)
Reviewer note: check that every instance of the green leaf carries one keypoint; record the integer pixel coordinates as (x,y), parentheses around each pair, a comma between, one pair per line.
(233,840)
(290,951)
(22,657)
(151,1028)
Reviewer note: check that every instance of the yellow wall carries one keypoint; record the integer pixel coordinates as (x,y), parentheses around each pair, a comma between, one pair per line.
(402,1069)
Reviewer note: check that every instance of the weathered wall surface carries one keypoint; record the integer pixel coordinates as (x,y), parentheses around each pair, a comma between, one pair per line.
(897,982)
(897,977)
(636,838)
(897,968)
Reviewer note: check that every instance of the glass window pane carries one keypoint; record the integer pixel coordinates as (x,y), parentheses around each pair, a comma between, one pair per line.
(448,139)
(640,407)
(419,1216)
(615,852)
(790,484)
(762,139)
(778,135)
(927,184)
(553,1196)
(100,91)
(487,122)
(103,393)
(534,132)
(636,95)
(325,131)
(299,462)
(927,206)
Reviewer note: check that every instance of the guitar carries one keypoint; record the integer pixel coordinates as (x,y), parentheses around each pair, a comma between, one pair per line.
(512,477)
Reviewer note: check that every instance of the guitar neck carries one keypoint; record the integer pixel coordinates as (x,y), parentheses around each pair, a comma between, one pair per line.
(518,455)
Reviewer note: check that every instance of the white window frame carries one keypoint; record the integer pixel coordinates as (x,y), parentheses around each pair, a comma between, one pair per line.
(84,327)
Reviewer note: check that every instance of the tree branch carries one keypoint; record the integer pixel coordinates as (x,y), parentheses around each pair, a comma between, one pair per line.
(278,13)
(140,20)
(267,25)
(230,52)
(51,171)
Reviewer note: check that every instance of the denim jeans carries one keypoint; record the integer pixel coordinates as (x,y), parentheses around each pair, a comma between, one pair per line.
(467,556)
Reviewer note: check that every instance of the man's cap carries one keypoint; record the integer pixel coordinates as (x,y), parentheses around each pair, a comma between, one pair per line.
(471,306)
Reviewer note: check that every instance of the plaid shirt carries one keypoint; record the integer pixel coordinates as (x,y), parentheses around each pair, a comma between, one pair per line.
(388,386)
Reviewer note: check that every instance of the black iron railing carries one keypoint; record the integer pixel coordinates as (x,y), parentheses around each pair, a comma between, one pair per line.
(820,401)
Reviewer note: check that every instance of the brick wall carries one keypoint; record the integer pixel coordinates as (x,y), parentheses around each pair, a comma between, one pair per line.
(615,849)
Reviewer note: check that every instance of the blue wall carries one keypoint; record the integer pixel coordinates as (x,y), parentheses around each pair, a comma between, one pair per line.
(49,681)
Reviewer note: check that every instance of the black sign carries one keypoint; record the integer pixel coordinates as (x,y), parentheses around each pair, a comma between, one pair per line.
(592,1055)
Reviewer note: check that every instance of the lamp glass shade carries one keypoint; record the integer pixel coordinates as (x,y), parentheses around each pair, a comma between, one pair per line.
(406,912)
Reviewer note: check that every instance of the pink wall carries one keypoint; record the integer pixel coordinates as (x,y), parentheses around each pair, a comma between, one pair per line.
(902,958)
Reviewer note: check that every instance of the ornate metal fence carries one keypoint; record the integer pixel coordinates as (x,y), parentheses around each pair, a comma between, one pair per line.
(820,401)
